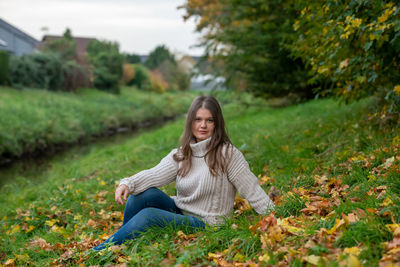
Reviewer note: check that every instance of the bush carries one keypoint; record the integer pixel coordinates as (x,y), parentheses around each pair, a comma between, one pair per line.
(4,65)
(107,65)
(141,79)
(157,82)
(177,79)
(354,45)
(128,73)
(132,58)
(45,70)
(158,56)
(41,70)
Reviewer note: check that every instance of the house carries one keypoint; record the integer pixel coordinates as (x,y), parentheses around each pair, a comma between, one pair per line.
(15,41)
(81,45)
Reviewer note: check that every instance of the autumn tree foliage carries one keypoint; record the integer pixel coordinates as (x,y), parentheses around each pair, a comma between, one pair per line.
(354,45)
(349,49)
(245,40)
(166,72)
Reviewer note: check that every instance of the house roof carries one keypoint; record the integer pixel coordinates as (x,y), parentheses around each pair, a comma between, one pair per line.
(7,26)
(81,42)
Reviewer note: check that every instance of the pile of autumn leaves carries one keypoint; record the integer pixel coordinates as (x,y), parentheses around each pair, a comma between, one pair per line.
(304,237)
(285,240)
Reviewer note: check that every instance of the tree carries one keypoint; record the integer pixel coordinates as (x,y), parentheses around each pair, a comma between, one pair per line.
(107,65)
(158,56)
(246,43)
(65,46)
(355,45)
(132,58)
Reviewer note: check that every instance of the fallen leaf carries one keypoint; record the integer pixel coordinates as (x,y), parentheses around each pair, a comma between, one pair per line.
(9,262)
(264,258)
(312,259)
(41,243)
(91,223)
(352,251)
(352,261)
(336,226)
(22,258)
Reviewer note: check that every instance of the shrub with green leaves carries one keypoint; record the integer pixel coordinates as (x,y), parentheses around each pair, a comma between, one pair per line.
(354,45)
(43,70)
(158,56)
(4,62)
(107,63)
(141,79)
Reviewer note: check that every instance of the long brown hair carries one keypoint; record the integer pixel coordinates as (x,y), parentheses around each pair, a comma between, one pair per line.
(215,158)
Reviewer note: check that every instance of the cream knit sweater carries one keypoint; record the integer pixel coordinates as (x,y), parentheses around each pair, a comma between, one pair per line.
(199,193)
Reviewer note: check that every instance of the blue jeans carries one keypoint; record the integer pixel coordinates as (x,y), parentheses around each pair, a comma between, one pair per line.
(152,208)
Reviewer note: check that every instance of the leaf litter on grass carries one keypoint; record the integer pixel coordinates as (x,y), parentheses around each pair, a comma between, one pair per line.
(345,214)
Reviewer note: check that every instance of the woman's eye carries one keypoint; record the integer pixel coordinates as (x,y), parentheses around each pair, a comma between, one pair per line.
(197,119)
(210,121)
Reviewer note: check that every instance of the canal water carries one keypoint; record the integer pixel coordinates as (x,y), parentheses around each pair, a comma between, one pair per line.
(31,168)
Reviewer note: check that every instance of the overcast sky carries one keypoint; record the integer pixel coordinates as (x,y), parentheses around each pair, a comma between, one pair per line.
(137,25)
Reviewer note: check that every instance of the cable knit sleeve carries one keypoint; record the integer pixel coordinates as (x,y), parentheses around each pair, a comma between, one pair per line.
(246,183)
(162,174)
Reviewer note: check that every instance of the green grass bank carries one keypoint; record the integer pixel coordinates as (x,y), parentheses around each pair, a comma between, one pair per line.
(332,173)
(34,120)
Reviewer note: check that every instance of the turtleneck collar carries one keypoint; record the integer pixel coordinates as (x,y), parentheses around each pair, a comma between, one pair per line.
(199,149)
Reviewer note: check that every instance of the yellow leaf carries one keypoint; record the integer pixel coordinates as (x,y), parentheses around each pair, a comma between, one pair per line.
(15,229)
(264,258)
(104,236)
(60,230)
(51,222)
(394,251)
(352,251)
(285,224)
(9,262)
(312,259)
(22,258)
(102,183)
(212,256)
(27,219)
(352,261)
(336,226)
(396,89)
(239,257)
(180,234)
(387,202)
(392,227)
(122,260)
(30,228)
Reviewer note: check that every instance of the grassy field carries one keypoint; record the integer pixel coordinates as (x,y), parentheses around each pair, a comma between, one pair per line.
(32,120)
(333,174)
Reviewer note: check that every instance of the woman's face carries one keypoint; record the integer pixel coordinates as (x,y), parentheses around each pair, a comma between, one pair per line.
(203,124)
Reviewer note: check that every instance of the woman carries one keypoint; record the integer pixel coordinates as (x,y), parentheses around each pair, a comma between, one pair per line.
(208,171)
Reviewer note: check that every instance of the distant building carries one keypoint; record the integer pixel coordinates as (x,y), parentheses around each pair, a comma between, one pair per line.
(15,41)
(81,45)
(207,82)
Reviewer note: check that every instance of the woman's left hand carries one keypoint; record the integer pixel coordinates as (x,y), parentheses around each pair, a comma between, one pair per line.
(121,190)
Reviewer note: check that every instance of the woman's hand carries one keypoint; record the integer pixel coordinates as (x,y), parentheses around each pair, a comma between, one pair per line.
(121,190)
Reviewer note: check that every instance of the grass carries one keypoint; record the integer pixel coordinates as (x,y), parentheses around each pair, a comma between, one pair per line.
(318,154)
(33,119)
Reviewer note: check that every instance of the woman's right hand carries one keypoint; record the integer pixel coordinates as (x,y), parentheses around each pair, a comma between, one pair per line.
(121,190)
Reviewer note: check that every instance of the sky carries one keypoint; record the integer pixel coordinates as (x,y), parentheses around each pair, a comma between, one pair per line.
(137,25)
